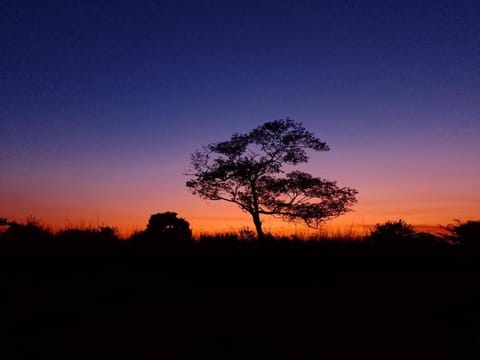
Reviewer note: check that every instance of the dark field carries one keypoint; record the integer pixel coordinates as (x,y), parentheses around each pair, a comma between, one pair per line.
(228,299)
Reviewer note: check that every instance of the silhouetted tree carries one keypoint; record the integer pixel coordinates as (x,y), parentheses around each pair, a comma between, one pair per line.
(167,226)
(246,170)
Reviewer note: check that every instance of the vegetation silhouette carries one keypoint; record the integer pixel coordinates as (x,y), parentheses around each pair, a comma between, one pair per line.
(167,226)
(168,234)
(247,171)
(231,296)
(32,238)
(466,234)
(400,236)
(165,233)
(29,231)
(29,238)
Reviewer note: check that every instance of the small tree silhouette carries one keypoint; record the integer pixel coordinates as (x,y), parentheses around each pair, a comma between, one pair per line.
(167,226)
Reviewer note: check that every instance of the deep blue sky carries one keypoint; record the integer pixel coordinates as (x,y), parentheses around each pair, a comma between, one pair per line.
(115,95)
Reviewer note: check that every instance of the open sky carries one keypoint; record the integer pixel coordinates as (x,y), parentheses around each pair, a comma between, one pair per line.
(102,103)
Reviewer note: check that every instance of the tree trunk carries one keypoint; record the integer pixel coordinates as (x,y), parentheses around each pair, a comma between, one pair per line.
(255,211)
(258,226)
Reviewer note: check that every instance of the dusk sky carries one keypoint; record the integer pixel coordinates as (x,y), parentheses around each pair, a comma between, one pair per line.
(102,103)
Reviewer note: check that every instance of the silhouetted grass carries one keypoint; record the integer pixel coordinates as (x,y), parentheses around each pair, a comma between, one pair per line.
(232,297)
(390,238)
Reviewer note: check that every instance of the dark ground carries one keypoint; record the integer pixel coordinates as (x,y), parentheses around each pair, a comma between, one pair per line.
(241,306)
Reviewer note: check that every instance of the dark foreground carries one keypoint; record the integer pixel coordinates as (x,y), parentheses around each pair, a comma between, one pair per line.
(241,306)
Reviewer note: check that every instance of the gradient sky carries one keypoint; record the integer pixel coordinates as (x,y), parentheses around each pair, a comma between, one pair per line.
(102,103)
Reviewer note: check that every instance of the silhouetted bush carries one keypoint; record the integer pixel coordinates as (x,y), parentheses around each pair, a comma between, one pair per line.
(392,231)
(30,231)
(30,238)
(401,236)
(108,232)
(168,227)
(165,234)
(465,234)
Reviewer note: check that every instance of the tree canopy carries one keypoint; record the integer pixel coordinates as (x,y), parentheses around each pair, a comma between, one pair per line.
(248,170)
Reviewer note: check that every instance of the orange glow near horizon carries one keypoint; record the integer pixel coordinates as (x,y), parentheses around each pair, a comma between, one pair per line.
(217,217)
(425,196)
